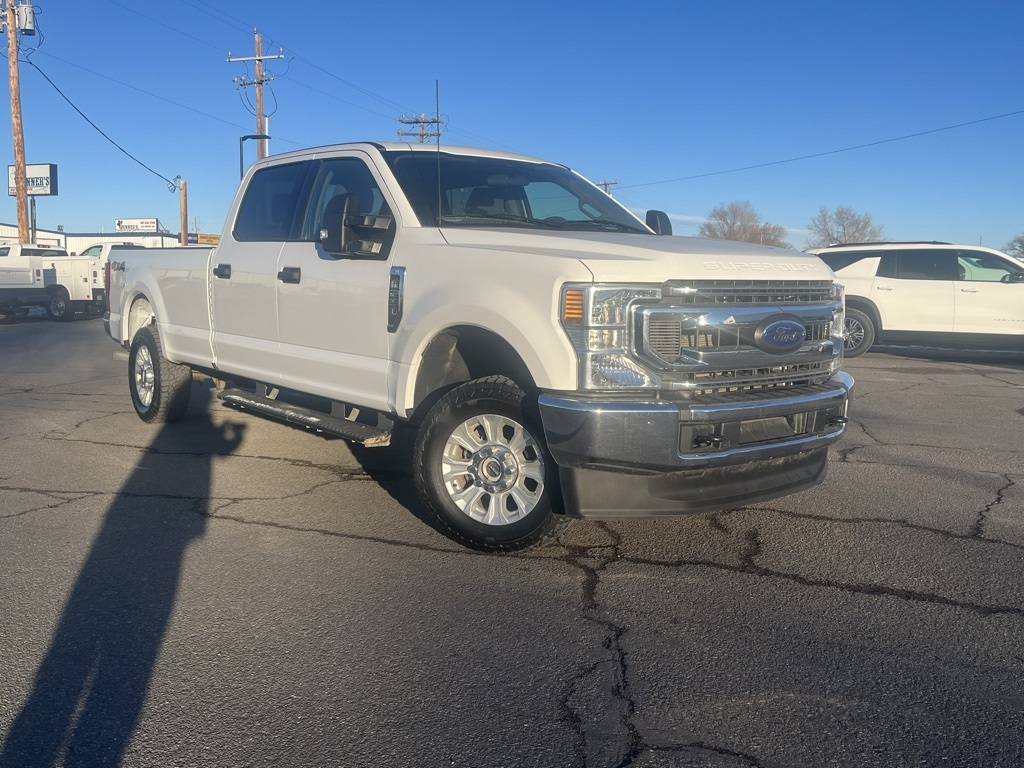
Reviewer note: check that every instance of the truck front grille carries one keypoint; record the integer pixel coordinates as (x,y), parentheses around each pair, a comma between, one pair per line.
(749,379)
(708,337)
(746,292)
(667,339)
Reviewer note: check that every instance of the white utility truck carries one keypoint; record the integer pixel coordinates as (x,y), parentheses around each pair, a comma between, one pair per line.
(44,276)
(557,356)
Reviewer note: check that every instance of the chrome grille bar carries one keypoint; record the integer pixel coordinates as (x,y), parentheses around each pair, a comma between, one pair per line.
(739,292)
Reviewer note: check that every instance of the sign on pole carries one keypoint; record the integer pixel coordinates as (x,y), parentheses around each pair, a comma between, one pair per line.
(42,180)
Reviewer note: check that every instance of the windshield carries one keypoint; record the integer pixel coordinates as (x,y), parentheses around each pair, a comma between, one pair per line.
(497,192)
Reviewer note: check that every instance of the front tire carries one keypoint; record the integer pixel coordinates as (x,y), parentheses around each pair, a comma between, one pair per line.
(160,389)
(858,333)
(483,471)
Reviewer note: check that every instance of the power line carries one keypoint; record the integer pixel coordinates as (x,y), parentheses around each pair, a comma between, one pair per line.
(829,152)
(173,185)
(240,25)
(140,90)
(382,99)
(166,26)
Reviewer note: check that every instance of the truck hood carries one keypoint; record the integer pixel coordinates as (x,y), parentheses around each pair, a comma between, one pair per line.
(615,257)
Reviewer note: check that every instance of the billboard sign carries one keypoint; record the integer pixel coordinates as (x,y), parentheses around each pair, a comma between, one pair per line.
(42,180)
(137,225)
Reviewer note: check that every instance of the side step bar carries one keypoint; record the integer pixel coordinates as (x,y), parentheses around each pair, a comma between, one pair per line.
(338,426)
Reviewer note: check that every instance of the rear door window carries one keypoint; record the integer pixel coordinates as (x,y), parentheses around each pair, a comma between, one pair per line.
(925,264)
(268,210)
(844,259)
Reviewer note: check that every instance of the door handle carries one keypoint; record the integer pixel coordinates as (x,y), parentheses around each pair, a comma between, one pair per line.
(969,290)
(290,275)
(884,288)
(222,271)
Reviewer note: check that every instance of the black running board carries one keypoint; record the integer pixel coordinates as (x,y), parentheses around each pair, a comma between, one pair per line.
(355,431)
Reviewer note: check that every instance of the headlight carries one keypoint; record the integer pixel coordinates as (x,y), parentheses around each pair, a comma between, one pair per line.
(839,320)
(596,319)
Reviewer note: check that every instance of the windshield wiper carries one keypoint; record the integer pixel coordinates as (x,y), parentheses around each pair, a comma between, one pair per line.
(605,225)
(490,218)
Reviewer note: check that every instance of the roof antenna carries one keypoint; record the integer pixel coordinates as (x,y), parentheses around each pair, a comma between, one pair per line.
(437,111)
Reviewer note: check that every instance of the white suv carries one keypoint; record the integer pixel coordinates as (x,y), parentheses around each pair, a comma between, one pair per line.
(928,292)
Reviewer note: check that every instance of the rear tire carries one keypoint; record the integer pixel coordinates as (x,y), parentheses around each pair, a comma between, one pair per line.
(59,307)
(483,471)
(858,333)
(160,389)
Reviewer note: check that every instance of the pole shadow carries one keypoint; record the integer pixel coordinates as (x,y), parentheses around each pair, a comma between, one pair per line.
(90,688)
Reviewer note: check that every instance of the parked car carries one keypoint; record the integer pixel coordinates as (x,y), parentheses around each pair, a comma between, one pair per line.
(928,292)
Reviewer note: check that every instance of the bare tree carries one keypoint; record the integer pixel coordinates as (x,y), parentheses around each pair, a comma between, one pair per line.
(843,225)
(1016,246)
(739,221)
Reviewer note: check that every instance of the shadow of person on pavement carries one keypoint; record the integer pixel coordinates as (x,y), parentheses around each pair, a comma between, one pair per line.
(91,686)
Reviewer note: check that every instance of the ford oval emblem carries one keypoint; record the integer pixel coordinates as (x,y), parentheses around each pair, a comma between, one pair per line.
(779,335)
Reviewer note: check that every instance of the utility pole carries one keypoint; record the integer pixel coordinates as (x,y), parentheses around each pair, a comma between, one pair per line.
(184,212)
(17,129)
(607,186)
(261,78)
(422,121)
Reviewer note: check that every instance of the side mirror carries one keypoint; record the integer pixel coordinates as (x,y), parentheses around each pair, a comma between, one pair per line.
(335,235)
(658,221)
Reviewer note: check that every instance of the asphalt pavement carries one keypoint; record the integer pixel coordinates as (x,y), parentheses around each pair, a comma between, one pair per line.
(233,592)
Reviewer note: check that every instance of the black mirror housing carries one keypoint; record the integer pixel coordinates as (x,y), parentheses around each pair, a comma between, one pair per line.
(335,234)
(658,221)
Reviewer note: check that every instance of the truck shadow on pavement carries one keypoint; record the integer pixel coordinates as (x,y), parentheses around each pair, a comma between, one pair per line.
(391,468)
(91,686)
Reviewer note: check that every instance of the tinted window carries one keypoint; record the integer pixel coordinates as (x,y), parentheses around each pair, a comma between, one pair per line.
(47,252)
(491,192)
(887,265)
(842,260)
(338,177)
(927,264)
(268,209)
(4,252)
(92,253)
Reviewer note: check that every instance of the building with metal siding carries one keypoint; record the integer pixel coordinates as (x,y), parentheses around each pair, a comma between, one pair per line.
(76,242)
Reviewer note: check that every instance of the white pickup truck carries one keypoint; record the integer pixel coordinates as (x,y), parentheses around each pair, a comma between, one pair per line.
(557,356)
(45,276)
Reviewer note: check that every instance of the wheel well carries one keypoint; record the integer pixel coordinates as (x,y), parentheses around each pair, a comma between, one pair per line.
(461,354)
(139,316)
(868,308)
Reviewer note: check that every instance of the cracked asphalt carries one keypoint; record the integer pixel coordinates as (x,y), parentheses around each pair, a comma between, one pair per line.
(232,592)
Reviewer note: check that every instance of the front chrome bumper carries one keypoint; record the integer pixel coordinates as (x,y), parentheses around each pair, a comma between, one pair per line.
(626,459)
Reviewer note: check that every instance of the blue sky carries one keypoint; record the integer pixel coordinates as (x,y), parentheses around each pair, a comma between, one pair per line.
(646,94)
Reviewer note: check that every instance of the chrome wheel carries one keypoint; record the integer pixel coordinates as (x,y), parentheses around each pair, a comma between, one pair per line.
(493,469)
(145,377)
(854,334)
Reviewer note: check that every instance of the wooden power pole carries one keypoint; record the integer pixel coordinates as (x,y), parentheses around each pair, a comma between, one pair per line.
(422,121)
(17,130)
(184,212)
(258,81)
(261,120)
